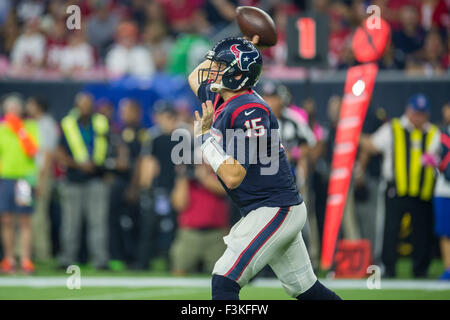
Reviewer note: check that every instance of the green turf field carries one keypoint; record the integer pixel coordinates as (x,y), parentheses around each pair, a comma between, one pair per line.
(158,293)
(50,283)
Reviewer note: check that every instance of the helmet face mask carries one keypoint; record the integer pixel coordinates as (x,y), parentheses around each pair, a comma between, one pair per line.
(213,73)
(236,60)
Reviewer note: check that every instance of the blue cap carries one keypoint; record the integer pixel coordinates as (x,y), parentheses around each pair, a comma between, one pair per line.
(419,102)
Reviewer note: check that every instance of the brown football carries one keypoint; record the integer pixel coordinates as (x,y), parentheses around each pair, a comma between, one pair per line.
(254,21)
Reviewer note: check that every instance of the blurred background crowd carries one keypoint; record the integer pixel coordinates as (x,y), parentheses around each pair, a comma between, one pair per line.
(99,185)
(172,35)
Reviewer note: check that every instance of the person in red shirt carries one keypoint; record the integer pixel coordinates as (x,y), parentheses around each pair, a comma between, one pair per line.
(203,220)
(179,13)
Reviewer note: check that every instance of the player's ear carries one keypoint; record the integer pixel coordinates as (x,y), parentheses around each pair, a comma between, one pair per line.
(238,77)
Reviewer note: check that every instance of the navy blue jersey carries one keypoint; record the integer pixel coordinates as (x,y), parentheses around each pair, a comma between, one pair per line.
(269,181)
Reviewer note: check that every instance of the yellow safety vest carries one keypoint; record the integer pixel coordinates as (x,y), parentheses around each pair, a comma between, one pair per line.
(411,178)
(75,140)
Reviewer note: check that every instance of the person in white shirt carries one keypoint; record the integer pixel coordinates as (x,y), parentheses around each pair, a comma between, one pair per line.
(29,49)
(409,145)
(127,57)
(77,56)
(36,108)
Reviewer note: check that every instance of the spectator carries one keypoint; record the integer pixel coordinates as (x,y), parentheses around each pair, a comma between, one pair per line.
(37,109)
(30,9)
(83,150)
(203,220)
(357,11)
(441,199)
(434,13)
(158,42)
(9,32)
(124,199)
(392,10)
(180,13)
(317,188)
(105,107)
(429,60)
(220,13)
(137,12)
(410,38)
(321,6)
(201,25)
(340,35)
(29,49)
(406,191)
(311,113)
(366,186)
(100,28)
(154,12)
(127,57)
(347,58)
(19,144)
(185,112)
(77,56)
(392,59)
(157,179)
(56,11)
(56,42)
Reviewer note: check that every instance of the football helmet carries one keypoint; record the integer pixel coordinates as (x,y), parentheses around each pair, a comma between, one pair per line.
(231,57)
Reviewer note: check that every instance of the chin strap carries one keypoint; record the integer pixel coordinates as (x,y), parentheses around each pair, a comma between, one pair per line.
(216,87)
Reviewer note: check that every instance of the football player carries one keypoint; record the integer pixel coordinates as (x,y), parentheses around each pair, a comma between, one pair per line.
(235,125)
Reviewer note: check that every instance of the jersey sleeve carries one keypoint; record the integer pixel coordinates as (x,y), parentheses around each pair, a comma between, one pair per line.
(204,93)
(250,125)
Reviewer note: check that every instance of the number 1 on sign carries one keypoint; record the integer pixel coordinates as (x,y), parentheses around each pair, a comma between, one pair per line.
(307,38)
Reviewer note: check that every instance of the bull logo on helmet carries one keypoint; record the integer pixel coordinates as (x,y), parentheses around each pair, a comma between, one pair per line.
(244,58)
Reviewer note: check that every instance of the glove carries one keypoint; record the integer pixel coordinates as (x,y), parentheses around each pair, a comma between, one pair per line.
(429,159)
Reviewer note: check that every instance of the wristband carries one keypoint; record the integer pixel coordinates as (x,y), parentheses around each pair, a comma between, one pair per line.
(213,152)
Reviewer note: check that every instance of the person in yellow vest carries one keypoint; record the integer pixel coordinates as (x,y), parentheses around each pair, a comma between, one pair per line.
(84,193)
(409,145)
(19,142)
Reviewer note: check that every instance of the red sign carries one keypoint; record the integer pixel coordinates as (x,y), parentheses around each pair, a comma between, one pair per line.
(353,257)
(357,94)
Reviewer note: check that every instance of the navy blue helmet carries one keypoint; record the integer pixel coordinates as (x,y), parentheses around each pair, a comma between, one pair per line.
(235,56)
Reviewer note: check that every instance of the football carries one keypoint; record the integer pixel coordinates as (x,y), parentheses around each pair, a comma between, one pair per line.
(254,21)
